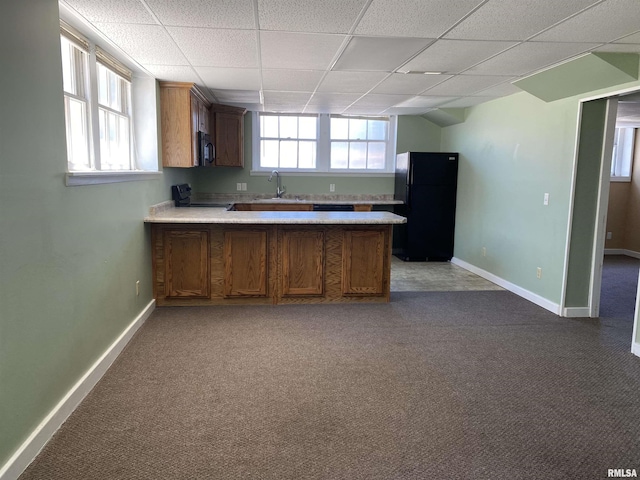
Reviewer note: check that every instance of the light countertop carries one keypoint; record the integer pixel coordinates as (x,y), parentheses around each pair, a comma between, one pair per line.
(223,216)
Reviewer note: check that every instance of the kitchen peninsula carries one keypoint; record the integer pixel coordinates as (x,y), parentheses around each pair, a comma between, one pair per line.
(214,256)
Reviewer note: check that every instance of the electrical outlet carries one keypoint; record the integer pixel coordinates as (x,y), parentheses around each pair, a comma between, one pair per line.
(244,187)
(546,199)
(539,272)
(609,235)
(238,186)
(138,288)
(484,251)
(332,187)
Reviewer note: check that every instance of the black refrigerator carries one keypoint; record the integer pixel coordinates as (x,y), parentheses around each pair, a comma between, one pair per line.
(426,182)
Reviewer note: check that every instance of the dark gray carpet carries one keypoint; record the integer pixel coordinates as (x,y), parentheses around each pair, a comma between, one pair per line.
(438,385)
(618,296)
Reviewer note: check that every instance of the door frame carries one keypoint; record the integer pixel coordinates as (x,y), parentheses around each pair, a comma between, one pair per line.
(601,213)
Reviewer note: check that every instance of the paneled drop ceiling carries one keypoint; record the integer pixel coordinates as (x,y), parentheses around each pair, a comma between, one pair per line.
(358,56)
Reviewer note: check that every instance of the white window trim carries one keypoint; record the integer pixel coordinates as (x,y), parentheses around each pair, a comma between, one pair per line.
(323,153)
(143,117)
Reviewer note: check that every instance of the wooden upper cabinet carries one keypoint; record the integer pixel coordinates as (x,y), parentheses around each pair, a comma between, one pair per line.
(184,110)
(228,126)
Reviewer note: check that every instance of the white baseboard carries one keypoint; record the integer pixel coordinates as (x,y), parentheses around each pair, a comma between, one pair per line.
(576,312)
(526,294)
(621,251)
(635,348)
(52,422)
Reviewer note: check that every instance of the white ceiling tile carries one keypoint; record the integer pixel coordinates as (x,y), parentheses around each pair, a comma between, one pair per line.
(501,90)
(635,38)
(311,16)
(379,100)
(206,47)
(619,48)
(286,98)
(356,110)
(515,19)
(410,84)
(379,53)
(424,101)
(464,102)
(147,44)
(113,11)
(529,57)
(604,22)
(407,110)
(350,82)
(455,56)
(291,80)
(230,78)
(465,84)
(173,73)
(413,18)
(322,109)
(236,96)
(337,100)
(298,50)
(234,14)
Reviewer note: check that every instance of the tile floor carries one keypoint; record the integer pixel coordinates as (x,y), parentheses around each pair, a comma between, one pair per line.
(434,276)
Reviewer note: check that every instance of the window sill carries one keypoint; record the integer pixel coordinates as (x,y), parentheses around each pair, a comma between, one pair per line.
(95,178)
(621,179)
(298,173)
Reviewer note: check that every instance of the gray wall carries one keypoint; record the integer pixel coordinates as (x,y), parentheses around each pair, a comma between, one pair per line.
(69,256)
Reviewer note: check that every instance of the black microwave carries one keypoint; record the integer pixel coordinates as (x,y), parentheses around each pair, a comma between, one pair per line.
(206,150)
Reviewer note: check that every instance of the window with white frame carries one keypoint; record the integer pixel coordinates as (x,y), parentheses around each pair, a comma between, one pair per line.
(324,143)
(623,151)
(97,99)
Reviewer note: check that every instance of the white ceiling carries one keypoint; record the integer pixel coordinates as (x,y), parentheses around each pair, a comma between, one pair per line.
(349,56)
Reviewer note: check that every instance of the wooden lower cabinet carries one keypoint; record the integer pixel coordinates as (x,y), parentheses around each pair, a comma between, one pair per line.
(302,262)
(186,263)
(363,262)
(245,263)
(235,264)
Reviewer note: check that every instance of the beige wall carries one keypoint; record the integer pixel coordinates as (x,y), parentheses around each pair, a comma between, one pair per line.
(623,215)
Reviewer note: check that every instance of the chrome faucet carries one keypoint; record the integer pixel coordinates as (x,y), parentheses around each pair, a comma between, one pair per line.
(279,189)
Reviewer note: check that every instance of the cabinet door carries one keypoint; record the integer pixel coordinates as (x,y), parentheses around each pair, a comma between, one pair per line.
(229,138)
(245,263)
(363,255)
(203,118)
(195,126)
(302,257)
(186,255)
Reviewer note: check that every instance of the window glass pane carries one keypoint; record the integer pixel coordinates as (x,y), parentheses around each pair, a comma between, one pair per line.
(377,130)
(339,128)
(357,129)
(269,153)
(288,154)
(376,155)
(77,139)
(288,127)
(114,91)
(339,154)
(623,150)
(103,85)
(123,158)
(308,127)
(307,154)
(67,71)
(269,127)
(358,155)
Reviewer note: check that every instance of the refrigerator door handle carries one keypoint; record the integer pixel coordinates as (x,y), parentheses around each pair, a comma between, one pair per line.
(408,199)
